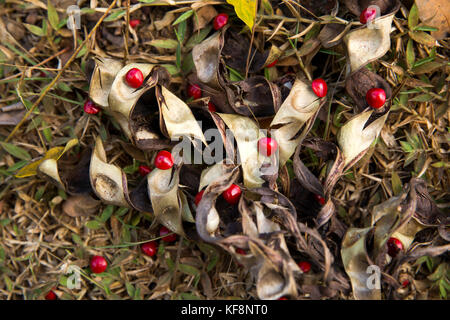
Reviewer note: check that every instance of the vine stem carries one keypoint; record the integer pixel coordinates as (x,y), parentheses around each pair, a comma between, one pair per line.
(61,71)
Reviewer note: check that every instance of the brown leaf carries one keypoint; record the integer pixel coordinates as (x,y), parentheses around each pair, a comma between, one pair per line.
(435,13)
(80,205)
(203,16)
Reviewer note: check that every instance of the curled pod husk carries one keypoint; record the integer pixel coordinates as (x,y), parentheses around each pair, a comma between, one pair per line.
(107,180)
(354,257)
(247,133)
(164,195)
(354,137)
(295,118)
(370,42)
(102,78)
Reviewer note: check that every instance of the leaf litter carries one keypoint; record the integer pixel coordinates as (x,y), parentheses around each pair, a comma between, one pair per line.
(350,177)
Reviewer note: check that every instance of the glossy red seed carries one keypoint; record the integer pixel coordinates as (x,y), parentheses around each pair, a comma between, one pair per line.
(211,107)
(198,197)
(194,91)
(144,170)
(134,78)
(98,264)
(134,23)
(405,283)
(394,246)
(272,64)
(305,266)
(149,248)
(232,194)
(367,14)
(164,160)
(319,87)
(50,296)
(267,146)
(220,21)
(241,251)
(90,107)
(319,199)
(283,298)
(164,231)
(376,97)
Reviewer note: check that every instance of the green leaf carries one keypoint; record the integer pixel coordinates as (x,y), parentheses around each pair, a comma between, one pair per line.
(198,37)
(115,15)
(93,225)
(245,10)
(52,15)
(183,17)
(121,211)
(185,268)
(423,98)
(413,18)
(410,55)
(107,213)
(425,28)
(164,43)
(427,67)
(16,151)
(406,146)
(171,68)
(422,38)
(35,29)
(396,184)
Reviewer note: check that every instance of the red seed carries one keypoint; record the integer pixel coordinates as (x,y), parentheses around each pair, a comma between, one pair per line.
(134,23)
(394,246)
(320,199)
(90,107)
(164,160)
(319,87)
(194,91)
(267,146)
(405,283)
(211,107)
(50,296)
(220,21)
(367,15)
(149,248)
(164,231)
(283,298)
(232,194)
(98,264)
(272,64)
(134,78)
(305,266)
(376,97)
(198,197)
(241,251)
(144,170)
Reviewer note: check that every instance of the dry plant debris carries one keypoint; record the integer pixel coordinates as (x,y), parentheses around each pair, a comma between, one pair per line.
(331,149)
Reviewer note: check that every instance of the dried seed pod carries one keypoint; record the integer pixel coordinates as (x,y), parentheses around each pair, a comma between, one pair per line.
(107,180)
(296,115)
(163,193)
(102,78)
(354,137)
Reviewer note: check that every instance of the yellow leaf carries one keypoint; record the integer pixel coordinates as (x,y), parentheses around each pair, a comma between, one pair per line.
(245,10)
(54,153)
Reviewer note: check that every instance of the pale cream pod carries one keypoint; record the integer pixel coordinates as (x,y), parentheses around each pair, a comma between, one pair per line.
(247,133)
(368,44)
(163,193)
(107,180)
(300,106)
(102,78)
(354,139)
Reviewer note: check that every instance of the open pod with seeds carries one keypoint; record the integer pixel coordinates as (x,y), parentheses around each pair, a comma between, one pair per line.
(294,119)
(151,116)
(254,96)
(246,133)
(367,44)
(395,218)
